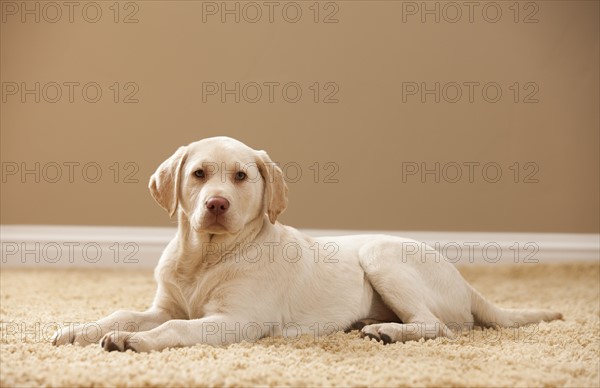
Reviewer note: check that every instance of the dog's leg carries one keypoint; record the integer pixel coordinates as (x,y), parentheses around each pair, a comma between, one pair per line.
(403,290)
(427,327)
(417,321)
(213,330)
(119,321)
(358,325)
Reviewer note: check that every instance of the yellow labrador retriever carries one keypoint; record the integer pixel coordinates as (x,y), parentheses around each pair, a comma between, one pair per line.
(233,273)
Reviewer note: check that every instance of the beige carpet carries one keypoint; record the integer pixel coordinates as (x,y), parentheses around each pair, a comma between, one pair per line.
(561,353)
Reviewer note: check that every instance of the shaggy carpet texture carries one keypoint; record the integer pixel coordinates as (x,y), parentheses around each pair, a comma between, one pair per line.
(560,353)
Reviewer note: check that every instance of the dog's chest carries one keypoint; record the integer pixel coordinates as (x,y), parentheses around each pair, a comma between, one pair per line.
(201,294)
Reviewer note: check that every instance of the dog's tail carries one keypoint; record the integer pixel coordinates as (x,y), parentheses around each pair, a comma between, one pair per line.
(489,315)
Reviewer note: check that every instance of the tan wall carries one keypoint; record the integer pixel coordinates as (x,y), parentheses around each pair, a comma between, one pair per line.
(376,131)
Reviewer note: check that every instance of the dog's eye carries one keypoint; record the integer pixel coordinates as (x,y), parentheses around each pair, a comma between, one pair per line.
(199,173)
(240,176)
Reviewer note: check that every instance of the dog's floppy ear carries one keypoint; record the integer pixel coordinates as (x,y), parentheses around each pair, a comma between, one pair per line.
(164,183)
(276,190)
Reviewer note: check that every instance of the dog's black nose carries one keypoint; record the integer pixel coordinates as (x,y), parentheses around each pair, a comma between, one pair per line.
(217,205)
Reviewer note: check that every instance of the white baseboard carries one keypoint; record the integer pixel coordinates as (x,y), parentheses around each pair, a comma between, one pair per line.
(54,246)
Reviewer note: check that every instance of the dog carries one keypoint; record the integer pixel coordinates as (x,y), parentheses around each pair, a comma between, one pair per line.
(233,272)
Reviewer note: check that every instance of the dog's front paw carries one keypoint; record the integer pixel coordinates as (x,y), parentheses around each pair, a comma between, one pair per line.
(76,335)
(119,341)
(63,336)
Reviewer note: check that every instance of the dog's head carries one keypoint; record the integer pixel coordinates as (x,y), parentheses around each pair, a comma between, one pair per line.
(220,184)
